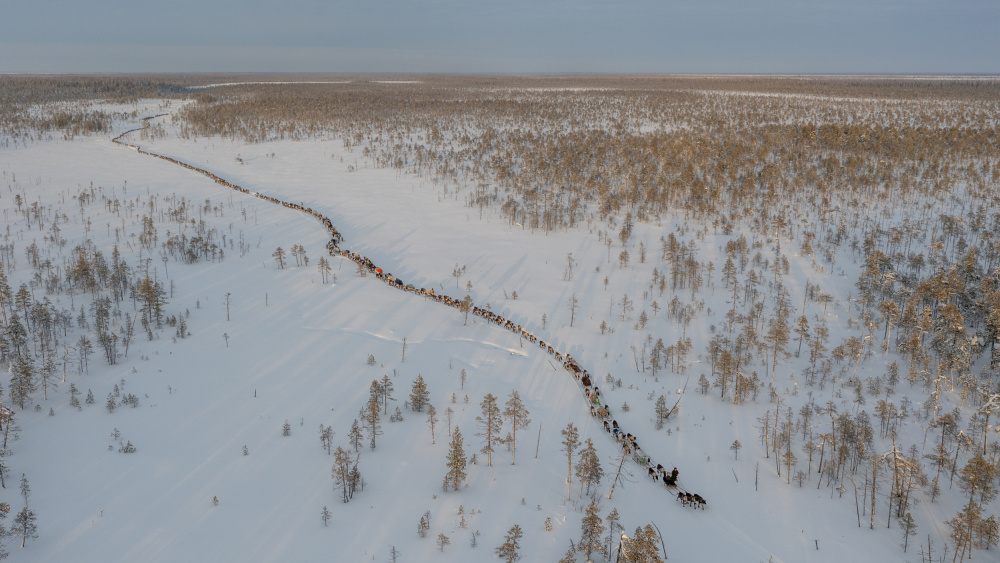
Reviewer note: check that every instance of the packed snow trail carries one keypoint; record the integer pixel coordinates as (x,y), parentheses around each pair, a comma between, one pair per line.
(591,392)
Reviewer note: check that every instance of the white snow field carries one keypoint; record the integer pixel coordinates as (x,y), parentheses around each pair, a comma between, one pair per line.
(295,349)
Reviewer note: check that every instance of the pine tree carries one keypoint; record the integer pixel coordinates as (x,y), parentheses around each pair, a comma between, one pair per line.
(489,423)
(987,533)
(588,468)
(22,380)
(4,532)
(442,541)
(570,442)
(373,420)
(909,528)
(342,472)
(614,524)
(386,386)
(592,526)
(456,462)
(662,411)
(324,269)
(326,438)
(979,477)
(375,391)
(73,392)
(431,420)
(419,394)
(643,546)
(802,329)
(517,415)
(325,515)
(355,435)
(510,550)
(286,429)
(963,528)
(25,524)
(279,257)
(569,556)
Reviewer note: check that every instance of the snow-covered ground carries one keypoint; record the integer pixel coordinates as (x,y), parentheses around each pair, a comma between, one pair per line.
(295,349)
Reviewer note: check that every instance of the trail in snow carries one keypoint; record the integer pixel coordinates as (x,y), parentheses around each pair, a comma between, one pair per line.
(627,440)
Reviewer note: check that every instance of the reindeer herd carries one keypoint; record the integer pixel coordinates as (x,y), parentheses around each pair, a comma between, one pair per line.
(628,442)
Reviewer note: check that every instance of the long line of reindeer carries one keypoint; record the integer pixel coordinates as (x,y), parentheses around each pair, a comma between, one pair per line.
(629,443)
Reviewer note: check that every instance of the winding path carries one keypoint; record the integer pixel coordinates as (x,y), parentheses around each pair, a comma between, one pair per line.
(590,391)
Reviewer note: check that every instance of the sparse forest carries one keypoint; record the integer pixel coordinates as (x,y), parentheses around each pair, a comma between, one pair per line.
(818,258)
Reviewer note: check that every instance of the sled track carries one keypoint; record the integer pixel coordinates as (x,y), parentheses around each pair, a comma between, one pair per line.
(627,441)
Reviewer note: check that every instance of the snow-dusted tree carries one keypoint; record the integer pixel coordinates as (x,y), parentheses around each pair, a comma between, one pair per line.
(592,527)
(431,419)
(456,462)
(490,423)
(442,541)
(517,415)
(571,439)
(462,377)
(325,515)
(25,524)
(423,526)
(510,550)
(355,435)
(286,429)
(373,420)
(588,468)
(419,394)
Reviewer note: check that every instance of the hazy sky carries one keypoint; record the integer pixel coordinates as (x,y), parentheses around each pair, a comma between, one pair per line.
(705,36)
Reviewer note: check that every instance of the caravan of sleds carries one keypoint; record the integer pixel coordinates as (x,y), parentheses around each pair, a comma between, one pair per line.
(627,441)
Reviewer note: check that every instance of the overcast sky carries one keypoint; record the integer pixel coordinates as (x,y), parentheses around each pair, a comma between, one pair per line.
(675,36)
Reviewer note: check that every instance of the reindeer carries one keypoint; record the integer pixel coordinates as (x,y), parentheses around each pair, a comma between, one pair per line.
(701,503)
